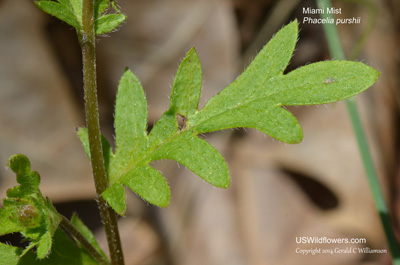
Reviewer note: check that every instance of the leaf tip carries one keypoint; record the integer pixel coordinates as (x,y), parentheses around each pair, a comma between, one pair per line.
(192,50)
(19,164)
(80,130)
(226,184)
(293,24)
(127,72)
(376,73)
(223,181)
(295,138)
(164,204)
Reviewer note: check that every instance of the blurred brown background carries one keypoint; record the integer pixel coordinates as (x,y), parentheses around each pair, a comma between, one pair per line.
(278,191)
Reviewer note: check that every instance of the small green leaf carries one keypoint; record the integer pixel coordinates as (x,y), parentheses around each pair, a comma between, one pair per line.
(198,156)
(186,88)
(62,11)
(107,23)
(44,246)
(70,11)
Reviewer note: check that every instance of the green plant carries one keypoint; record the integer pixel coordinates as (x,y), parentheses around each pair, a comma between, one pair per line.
(256,99)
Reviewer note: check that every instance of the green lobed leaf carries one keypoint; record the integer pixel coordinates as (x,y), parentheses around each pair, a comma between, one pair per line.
(135,150)
(256,101)
(186,88)
(131,142)
(27,211)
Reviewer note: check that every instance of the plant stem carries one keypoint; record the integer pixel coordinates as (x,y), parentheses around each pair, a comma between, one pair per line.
(71,229)
(337,53)
(109,217)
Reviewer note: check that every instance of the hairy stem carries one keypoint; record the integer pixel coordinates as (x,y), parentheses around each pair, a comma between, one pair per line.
(87,40)
(71,229)
(337,53)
